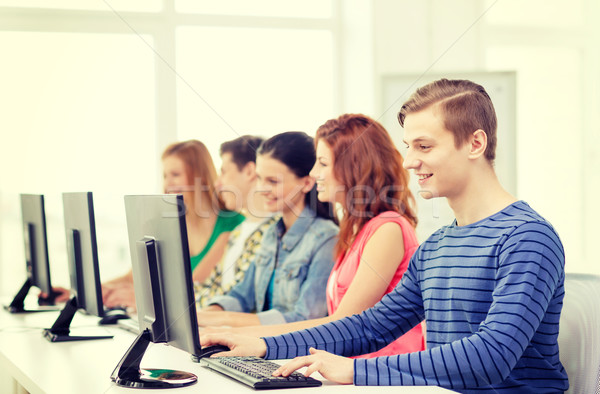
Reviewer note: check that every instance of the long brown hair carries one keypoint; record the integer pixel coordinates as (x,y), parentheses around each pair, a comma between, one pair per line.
(368,165)
(200,171)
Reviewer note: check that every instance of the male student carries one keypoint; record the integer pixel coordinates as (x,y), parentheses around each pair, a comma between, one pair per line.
(236,186)
(489,285)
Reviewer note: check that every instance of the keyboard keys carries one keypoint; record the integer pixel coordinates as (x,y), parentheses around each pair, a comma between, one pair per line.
(258,373)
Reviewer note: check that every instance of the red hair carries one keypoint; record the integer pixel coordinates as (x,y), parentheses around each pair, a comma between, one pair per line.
(368,165)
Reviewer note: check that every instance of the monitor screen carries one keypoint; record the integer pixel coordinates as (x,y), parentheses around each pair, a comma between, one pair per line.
(36,256)
(82,255)
(35,241)
(82,252)
(164,293)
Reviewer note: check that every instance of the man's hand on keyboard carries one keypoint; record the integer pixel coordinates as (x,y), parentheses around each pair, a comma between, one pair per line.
(118,296)
(62,294)
(240,345)
(335,368)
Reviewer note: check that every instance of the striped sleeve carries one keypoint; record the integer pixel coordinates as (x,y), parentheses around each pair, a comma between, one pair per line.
(358,334)
(530,269)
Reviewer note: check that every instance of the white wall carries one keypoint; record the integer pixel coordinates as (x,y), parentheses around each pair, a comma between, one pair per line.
(553,45)
(92,95)
(554,48)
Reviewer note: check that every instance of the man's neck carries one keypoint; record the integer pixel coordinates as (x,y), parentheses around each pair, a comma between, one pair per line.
(481,198)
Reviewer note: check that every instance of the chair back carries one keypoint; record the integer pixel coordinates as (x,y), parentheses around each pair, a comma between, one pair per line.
(579,335)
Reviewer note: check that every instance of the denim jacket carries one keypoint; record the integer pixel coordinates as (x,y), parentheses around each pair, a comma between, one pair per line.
(305,260)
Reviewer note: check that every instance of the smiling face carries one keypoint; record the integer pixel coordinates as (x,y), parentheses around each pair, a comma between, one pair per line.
(282,189)
(329,189)
(440,167)
(175,177)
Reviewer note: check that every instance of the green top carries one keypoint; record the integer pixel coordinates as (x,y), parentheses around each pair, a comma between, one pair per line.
(226,222)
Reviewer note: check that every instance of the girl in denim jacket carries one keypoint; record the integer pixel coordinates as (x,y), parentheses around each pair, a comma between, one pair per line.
(286,281)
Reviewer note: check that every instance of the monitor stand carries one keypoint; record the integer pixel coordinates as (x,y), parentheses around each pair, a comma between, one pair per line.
(59,332)
(128,372)
(18,303)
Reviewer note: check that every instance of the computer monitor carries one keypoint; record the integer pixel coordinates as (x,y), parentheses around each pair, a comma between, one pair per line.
(82,255)
(36,256)
(164,294)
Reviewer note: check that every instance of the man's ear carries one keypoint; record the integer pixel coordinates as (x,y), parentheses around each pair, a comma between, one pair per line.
(249,170)
(477,144)
(309,182)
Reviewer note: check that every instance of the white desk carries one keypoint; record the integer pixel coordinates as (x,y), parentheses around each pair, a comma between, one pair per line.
(85,366)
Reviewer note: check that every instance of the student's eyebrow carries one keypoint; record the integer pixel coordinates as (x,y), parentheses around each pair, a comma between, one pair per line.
(414,141)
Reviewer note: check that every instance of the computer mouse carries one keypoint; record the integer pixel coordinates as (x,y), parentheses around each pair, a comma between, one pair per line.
(210,350)
(111,316)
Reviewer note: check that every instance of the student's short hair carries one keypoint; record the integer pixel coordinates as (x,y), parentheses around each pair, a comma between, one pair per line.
(242,149)
(465,106)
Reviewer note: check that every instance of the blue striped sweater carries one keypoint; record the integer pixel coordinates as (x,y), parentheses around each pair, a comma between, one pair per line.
(491,294)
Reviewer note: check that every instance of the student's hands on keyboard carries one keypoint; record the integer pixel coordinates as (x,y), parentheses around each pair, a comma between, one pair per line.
(335,368)
(240,345)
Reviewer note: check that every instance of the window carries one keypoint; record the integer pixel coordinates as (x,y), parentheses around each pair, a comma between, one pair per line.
(95,95)
(252,81)
(78,121)
(96,5)
(282,8)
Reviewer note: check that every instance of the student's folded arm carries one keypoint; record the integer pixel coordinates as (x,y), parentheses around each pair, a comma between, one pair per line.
(529,275)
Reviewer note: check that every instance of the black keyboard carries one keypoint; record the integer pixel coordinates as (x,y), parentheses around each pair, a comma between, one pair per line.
(257,372)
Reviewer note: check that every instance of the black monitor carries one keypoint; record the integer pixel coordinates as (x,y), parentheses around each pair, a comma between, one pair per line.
(162,277)
(36,256)
(82,252)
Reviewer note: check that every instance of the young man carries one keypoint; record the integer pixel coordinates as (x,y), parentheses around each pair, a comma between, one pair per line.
(236,186)
(489,286)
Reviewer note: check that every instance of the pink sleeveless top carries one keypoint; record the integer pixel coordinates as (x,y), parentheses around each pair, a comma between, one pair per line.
(346,266)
